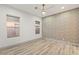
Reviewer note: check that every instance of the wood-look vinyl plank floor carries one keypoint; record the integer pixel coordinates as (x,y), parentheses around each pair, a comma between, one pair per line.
(42,47)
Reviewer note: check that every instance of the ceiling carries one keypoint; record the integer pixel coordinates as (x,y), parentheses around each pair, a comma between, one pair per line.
(49,8)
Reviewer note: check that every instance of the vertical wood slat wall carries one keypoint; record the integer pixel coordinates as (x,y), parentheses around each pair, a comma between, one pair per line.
(63,26)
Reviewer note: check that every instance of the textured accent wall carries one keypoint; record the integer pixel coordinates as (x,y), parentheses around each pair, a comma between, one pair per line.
(63,25)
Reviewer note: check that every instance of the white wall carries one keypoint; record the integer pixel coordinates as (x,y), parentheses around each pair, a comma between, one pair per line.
(26,26)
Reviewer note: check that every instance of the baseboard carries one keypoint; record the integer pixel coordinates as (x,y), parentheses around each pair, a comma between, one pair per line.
(4,48)
(66,42)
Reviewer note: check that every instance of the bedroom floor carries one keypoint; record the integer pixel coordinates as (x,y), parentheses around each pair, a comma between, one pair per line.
(42,47)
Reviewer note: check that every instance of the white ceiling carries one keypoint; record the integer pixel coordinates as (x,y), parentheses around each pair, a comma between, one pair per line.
(50,8)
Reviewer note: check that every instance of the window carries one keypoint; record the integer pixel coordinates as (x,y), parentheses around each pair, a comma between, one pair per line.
(13,27)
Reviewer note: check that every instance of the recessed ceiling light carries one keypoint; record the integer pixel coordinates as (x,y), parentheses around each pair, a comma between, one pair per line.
(62,7)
